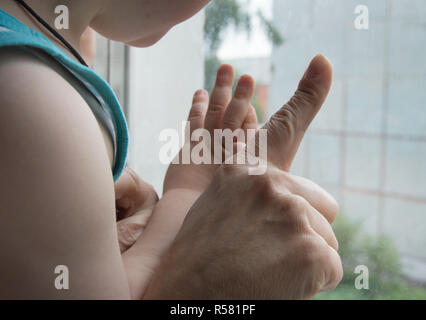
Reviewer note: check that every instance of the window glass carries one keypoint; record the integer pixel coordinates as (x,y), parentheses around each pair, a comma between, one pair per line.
(367,146)
(111,63)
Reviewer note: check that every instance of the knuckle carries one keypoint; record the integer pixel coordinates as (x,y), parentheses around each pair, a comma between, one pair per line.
(241,94)
(223,82)
(307,94)
(230,173)
(295,207)
(264,186)
(231,123)
(196,112)
(128,233)
(333,270)
(284,120)
(198,99)
(296,202)
(290,213)
(307,252)
(215,108)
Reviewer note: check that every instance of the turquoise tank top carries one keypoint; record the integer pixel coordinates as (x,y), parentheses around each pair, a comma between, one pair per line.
(108,110)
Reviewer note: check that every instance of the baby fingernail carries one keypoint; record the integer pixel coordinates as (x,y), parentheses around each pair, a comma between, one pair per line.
(199,93)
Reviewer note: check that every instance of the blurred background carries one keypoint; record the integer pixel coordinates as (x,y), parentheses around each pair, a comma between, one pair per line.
(367,145)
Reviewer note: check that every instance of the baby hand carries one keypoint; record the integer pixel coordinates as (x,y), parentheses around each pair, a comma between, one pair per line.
(134,200)
(221,111)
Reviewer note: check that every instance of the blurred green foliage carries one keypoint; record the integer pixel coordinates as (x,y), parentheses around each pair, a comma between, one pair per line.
(220,16)
(380,255)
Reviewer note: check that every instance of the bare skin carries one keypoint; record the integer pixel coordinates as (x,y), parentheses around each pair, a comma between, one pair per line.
(57,191)
(274,227)
(88,46)
(68,215)
(66,182)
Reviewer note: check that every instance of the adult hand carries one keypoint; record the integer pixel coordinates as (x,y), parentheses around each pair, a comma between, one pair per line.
(259,237)
(185,182)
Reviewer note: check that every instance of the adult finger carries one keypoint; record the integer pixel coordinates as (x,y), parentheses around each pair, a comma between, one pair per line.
(318,198)
(332,268)
(317,222)
(287,126)
(322,227)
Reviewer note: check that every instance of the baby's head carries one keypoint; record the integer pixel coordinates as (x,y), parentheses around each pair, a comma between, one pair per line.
(142,23)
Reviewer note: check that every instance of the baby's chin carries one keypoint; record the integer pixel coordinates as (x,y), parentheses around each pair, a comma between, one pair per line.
(147,41)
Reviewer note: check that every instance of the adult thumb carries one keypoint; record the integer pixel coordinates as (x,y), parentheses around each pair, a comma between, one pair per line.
(288,125)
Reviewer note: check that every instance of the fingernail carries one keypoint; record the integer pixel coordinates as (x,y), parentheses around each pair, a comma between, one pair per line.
(225,69)
(245,81)
(199,93)
(245,85)
(316,67)
(225,75)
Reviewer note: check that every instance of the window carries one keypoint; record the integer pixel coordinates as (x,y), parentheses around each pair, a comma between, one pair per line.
(111,63)
(367,145)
